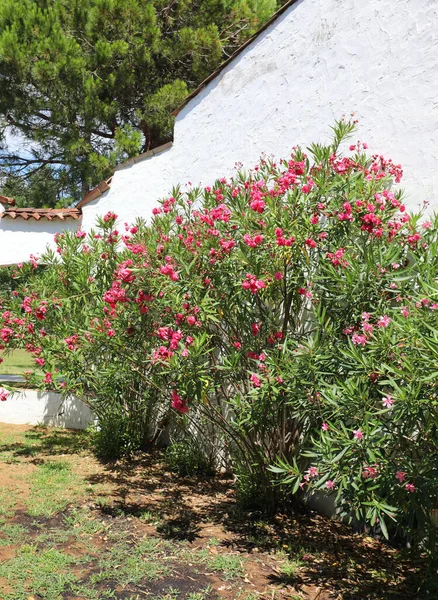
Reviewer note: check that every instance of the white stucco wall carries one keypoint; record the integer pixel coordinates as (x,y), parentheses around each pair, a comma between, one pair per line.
(19,238)
(31,407)
(318,61)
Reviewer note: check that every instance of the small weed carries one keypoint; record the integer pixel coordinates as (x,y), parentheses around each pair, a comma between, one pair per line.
(81,523)
(6,504)
(231,566)
(147,516)
(202,595)
(290,567)
(11,534)
(126,564)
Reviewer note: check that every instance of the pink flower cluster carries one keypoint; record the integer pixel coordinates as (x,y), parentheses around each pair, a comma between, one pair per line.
(253,284)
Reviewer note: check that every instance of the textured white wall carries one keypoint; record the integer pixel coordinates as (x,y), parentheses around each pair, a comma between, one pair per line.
(19,238)
(30,407)
(318,61)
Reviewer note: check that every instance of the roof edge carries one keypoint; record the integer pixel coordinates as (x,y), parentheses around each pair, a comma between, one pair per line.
(144,156)
(241,48)
(6,201)
(94,193)
(42,213)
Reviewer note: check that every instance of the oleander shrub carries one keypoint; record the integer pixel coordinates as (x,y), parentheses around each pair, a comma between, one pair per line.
(286,316)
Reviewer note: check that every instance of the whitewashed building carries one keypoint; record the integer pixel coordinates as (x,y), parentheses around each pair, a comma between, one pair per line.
(312,63)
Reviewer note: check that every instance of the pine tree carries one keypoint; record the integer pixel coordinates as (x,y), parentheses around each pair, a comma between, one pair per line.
(87,83)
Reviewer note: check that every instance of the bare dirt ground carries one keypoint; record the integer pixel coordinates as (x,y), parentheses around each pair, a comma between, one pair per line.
(74,528)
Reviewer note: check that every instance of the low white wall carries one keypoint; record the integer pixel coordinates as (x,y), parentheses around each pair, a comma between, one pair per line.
(19,238)
(31,407)
(320,60)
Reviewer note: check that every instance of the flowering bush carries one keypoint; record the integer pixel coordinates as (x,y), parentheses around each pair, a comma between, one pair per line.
(286,316)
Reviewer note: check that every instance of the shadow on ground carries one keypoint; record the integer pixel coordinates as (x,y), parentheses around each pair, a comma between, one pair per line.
(349,565)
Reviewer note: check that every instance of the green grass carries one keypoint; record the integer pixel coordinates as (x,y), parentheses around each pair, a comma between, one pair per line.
(16,362)
(64,485)
(130,564)
(46,573)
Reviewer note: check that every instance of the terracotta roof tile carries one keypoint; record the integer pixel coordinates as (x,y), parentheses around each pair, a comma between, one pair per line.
(42,213)
(7,201)
(95,193)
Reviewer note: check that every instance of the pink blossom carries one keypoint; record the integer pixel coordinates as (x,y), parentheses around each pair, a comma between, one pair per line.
(325,427)
(369,472)
(388,401)
(178,403)
(110,216)
(3,394)
(367,327)
(426,225)
(255,380)
(257,206)
(278,276)
(384,321)
(313,472)
(48,378)
(330,485)
(358,434)
(404,311)
(255,327)
(253,284)
(410,487)
(400,475)
(359,340)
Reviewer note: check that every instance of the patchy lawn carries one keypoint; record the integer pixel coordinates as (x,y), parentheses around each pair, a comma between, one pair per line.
(72,528)
(16,362)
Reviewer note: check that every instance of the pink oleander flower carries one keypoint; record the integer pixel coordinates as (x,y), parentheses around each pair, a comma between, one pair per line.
(178,403)
(255,381)
(367,327)
(255,328)
(400,475)
(388,401)
(404,311)
(426,225)
(3,394)
(325,427)
(253,284)
(358,434)
(359,340)
(384,321)
(313,472)
(330,485)
(369,472)
(278,276)
(48,378)
(410,487)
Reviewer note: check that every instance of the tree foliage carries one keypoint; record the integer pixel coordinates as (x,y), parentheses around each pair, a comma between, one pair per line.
(89,82)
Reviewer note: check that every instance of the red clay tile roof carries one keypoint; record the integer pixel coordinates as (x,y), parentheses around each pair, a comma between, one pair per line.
(42,213)
(94,193)
(7,201)
(249,41)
